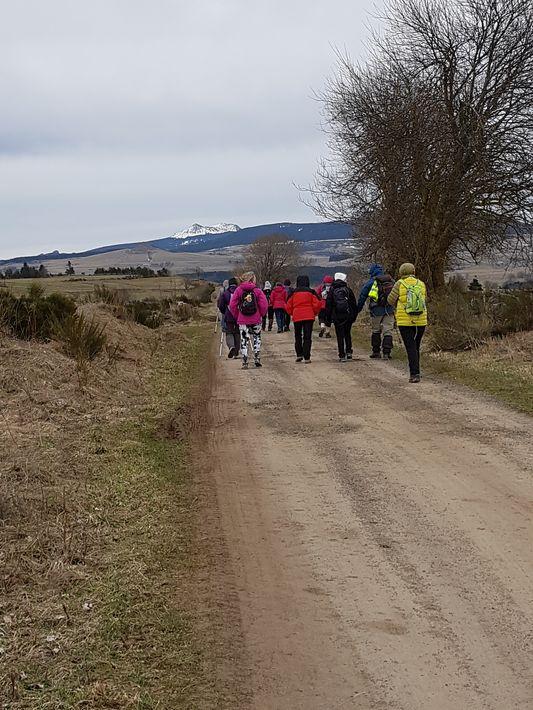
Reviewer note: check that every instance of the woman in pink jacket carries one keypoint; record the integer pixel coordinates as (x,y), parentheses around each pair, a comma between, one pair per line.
(248,305)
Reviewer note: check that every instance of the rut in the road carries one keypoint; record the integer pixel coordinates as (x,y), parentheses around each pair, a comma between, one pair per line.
(379,536)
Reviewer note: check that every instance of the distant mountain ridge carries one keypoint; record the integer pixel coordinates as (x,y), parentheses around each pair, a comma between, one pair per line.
(198,238)
(198,230)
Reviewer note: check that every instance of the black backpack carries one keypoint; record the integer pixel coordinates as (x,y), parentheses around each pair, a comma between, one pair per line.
(385,284)
(248,303)
(341,302)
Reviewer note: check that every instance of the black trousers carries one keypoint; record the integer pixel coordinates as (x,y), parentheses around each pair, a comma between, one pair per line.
(270,319)
(303,334)
(343,332)
(412,337)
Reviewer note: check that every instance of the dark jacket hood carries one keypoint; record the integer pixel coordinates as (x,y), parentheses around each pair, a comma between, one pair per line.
(302,282)
(375,270)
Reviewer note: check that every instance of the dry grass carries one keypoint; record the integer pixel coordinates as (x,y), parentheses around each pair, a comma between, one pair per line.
(79,287)
(96,522)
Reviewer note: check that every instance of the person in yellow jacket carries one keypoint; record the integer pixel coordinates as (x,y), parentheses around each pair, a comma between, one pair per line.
(409,296)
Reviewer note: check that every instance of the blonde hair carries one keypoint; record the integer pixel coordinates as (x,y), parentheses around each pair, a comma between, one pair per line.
(248,276)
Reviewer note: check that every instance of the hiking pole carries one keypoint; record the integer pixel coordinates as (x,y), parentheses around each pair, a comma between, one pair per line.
(216,322)
(221,343)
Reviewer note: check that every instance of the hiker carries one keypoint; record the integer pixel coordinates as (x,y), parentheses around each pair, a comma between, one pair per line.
(322,292)
(377,290)
(409,296)
(303,306)
(278,301)
(341,309)
(228,322)
(248,305)
(289,290)
(267,290)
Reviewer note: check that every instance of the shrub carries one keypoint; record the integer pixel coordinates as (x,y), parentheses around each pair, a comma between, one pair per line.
(202,293)
(147,313)
(34,315)
(183,311)
(462,319)
(512,311)
(458,321)
(81,339)
(111,296)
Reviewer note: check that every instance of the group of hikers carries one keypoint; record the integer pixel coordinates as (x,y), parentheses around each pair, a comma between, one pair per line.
(247,310)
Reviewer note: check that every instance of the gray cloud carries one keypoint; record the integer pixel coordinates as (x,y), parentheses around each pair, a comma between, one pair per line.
(126,119)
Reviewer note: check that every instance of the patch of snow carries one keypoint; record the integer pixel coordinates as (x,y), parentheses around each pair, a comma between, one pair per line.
(198,230)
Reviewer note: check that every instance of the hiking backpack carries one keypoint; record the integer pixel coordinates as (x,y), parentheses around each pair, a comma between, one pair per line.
(415,303)
(248,303)
(385,285)
(341,301)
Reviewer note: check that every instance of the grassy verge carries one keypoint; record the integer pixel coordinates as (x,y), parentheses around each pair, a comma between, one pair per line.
(503,368)
(122,632)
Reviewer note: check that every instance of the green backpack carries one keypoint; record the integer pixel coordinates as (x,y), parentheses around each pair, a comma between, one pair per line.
(415,303)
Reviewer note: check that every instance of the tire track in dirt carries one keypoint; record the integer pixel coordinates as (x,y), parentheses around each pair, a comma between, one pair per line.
(379,536)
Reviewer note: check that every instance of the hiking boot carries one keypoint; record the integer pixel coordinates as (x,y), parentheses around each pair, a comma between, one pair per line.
(375,356)
(244,365)
(343,359)
(414,378)
(307,361)
(387,356)
(328,335)
(232,353)
(349,356)
(299,359)
(257,362)
(279,330)
(321,332)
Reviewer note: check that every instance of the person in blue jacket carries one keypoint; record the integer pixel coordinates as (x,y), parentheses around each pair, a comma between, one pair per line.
(376,291)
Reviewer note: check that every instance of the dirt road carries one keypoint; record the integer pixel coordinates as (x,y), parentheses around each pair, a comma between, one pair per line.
(379,536)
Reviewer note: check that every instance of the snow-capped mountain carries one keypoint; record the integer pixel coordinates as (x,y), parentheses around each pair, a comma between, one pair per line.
(198,230)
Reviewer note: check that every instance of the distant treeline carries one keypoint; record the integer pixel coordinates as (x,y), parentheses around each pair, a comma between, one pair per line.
(25,272)
(141,272)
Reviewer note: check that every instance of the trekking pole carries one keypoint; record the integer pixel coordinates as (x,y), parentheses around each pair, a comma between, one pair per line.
(216,322)
(221,343)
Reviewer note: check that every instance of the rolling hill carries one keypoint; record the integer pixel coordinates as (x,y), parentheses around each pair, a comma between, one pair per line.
(197,239)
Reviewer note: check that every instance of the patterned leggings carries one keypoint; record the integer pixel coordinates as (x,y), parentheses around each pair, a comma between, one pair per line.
(250,335)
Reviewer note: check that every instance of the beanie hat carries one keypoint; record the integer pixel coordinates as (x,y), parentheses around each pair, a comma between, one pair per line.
(339,276)
(328,279)
(233,282)
(407,269)
(268,285)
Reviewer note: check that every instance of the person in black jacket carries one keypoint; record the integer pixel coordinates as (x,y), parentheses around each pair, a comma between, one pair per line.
(267,290)
(341,309)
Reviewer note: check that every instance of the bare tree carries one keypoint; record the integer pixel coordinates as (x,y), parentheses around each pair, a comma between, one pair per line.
(432,141)
(272,257)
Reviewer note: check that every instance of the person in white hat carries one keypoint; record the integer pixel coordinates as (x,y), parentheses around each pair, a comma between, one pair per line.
(341,310)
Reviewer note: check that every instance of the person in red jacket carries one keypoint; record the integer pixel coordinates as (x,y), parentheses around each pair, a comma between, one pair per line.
(304,306)
(278,301)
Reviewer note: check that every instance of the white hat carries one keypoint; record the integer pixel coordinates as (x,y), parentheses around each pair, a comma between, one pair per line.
(268,285)
(339,276)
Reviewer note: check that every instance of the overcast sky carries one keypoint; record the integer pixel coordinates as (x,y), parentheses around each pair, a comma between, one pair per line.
(126,120)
